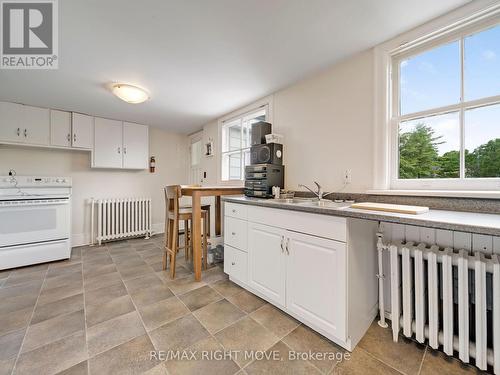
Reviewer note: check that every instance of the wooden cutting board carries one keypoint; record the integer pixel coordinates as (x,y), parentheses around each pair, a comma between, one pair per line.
(398,208)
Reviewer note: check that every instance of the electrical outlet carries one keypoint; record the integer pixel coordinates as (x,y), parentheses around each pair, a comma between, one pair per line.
(347,176)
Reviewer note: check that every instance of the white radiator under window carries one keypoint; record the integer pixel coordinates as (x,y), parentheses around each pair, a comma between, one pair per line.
(448,297)
(120,218)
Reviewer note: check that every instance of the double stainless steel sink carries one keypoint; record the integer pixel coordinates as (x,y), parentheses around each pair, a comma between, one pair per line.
(326,203)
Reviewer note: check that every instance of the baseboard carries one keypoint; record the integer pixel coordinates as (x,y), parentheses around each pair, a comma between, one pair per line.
(80,239)
(158,228)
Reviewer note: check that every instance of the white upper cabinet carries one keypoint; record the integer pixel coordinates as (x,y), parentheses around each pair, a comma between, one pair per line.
(108,143)
(82,131)
(24,124)
(135,146)
(120,145)
(72,130)
(114,144)
(60,128)
(35,125)
(10,122)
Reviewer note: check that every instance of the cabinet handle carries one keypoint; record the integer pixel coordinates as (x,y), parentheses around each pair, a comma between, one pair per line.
(233,233)
(233,263)
(69,137)
(25,133)
(124,150)
(282,239)
(18,132)
(234,211)
(74,137)
(286,247)
(118,149)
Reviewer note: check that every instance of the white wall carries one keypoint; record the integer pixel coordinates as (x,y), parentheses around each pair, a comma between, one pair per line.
(327,121)
(170,150)
(209,164)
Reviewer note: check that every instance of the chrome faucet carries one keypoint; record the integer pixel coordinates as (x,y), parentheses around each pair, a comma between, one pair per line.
(320,194)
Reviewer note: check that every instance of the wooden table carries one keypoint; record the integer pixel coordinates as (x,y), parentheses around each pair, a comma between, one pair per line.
(196,192)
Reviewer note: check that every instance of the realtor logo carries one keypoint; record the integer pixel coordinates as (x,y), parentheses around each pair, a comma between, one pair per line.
(29,34)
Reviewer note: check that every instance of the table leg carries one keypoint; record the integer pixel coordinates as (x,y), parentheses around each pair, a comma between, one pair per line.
(217,215)
(196,235)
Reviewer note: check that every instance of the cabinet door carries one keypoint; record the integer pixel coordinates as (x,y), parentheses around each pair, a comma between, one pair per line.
(316,281)
(82,131)
(266,261)
(10,122)
(35,125)
(60,128)
(235,232)
(107,143)
(135,146)
(235,263)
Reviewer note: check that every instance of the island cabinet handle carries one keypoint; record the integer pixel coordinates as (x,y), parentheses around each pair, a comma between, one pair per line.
(282,239)
(287,242)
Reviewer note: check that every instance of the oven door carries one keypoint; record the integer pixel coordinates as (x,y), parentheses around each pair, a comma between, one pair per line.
(27,221)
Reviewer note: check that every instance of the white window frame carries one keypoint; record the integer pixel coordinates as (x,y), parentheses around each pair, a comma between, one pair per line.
(196,168)
(455,26)
(266,104)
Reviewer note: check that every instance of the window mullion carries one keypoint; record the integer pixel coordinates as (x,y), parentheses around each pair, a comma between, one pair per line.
(242,162)
(461,115)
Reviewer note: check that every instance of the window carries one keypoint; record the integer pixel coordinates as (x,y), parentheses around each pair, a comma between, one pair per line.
(236,136)
(446,112)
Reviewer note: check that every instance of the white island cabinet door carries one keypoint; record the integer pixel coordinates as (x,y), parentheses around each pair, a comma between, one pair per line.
(108,149)
(135,146)
(35,125)
(82,131)
(60,128)
(316,282)
(266,262)
(10,122)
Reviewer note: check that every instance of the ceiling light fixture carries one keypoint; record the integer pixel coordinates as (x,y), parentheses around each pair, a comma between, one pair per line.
(129,93)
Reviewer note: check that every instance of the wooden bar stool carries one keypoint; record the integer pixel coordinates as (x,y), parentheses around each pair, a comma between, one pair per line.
(187,228)
(205,207)
(173,215)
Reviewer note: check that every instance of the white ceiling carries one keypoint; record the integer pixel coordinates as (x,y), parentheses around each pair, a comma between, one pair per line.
(200,59)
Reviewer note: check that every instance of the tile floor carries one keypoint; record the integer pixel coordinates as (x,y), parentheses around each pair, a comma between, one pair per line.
(107,308)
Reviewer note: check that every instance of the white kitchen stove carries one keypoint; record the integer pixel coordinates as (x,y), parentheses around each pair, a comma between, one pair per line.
(35,220)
